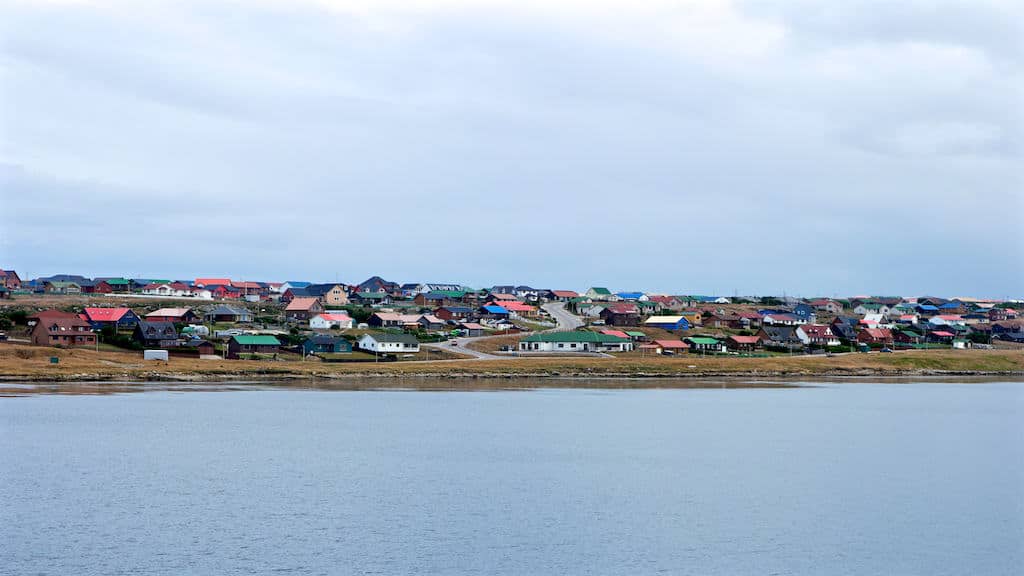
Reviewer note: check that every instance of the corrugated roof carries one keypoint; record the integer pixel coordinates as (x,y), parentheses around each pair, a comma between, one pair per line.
(595,337)
(106,314)
(256,340)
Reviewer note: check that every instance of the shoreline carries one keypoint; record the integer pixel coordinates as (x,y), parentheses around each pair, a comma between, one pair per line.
(31,364)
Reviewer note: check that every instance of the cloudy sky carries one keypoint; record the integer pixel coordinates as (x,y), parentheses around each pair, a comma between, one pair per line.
(697,146)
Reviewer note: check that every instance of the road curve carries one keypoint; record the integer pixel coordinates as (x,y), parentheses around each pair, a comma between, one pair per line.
(564,320)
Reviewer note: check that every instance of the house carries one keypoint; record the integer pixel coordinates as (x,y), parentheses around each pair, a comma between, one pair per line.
(616,333)
(61,287)
(442,297)
(117,285)
(519,309)
(788,337)
(453,312)
(329,320)
(96,287)
(906,338)
(202,347)
(871,308)
(291,284)
(177,315)
(493,311)
(155,334)
(563,295)
(471,329)
(322,343)
(430,322)
(303,308)
(228,313)
(784,319)
(672,346)
(668,322)
(878,336)
(621,314)
(167,289)
(940,336)
(599,294)
(378,284)
(704,344)
(946,320)
(371,298)
(827,305)
(393,320)
(389,343)
(100,318)
(743,343)
(9,279)
(632,296)
(820,335)
(721,320)
(65,331)
(211,283)
(805,311)
(667,302)
(574,342)
(249,344)
(329,294)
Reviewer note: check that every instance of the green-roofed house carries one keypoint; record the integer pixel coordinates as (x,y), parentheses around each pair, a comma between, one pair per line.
(636,335)
(599,293)
(252,344)
(574,342)
(704,344)
(58,287)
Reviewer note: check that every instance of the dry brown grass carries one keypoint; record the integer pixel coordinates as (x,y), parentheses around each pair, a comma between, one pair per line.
(85,364)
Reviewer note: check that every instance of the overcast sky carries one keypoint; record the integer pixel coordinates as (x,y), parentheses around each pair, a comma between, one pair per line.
(812,148)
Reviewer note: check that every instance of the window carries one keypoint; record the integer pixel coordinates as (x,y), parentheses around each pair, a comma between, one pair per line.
(573,344)
(561,345)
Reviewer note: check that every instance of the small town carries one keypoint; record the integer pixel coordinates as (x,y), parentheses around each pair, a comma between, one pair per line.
(378,320)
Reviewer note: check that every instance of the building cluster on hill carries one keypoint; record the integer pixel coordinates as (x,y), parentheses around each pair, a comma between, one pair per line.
(249,319)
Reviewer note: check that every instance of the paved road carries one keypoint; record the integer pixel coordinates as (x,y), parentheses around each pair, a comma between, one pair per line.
(565,321)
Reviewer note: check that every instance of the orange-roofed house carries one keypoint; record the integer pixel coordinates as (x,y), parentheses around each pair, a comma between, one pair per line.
(303,308)
(100,318)
(881,336)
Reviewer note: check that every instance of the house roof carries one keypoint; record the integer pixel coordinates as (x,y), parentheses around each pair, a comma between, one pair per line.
(878,332)
(702,340)
(256,340)
(517,307)
(618,333)
(169,312)
(503,297)
(664,319)
(301,304)
(595,337)
(943,334)
(636,334)
(623,308)
(565,293)
(600,290)
(63,323)
(745,339)
(212,281)
(471,326)
(226,310)
(106,314)
(458,309)
(672,344)
(335,317)
(495,309)
(388,337)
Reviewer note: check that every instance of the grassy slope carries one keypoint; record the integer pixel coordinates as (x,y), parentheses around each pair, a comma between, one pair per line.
(26,362)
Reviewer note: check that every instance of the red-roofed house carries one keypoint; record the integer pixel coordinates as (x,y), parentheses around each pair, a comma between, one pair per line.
(674,346)
(210,283)
(327,321)
(564,295)
(618,333)
(516,308)
(743,343)
(881,336)
(102,317)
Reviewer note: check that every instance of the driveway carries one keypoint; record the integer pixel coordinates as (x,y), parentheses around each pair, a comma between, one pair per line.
(564,319)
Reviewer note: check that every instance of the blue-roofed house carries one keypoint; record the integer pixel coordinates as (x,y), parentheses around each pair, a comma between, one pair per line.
(633,296)
(927,309)
(493,311)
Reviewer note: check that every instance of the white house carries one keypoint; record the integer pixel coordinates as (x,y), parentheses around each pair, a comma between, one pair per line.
(871,309)
(389,343)
(329,320)
(169,289)
(574,342)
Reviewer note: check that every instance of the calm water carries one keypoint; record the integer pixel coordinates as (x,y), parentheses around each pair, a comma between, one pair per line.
(839,479)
